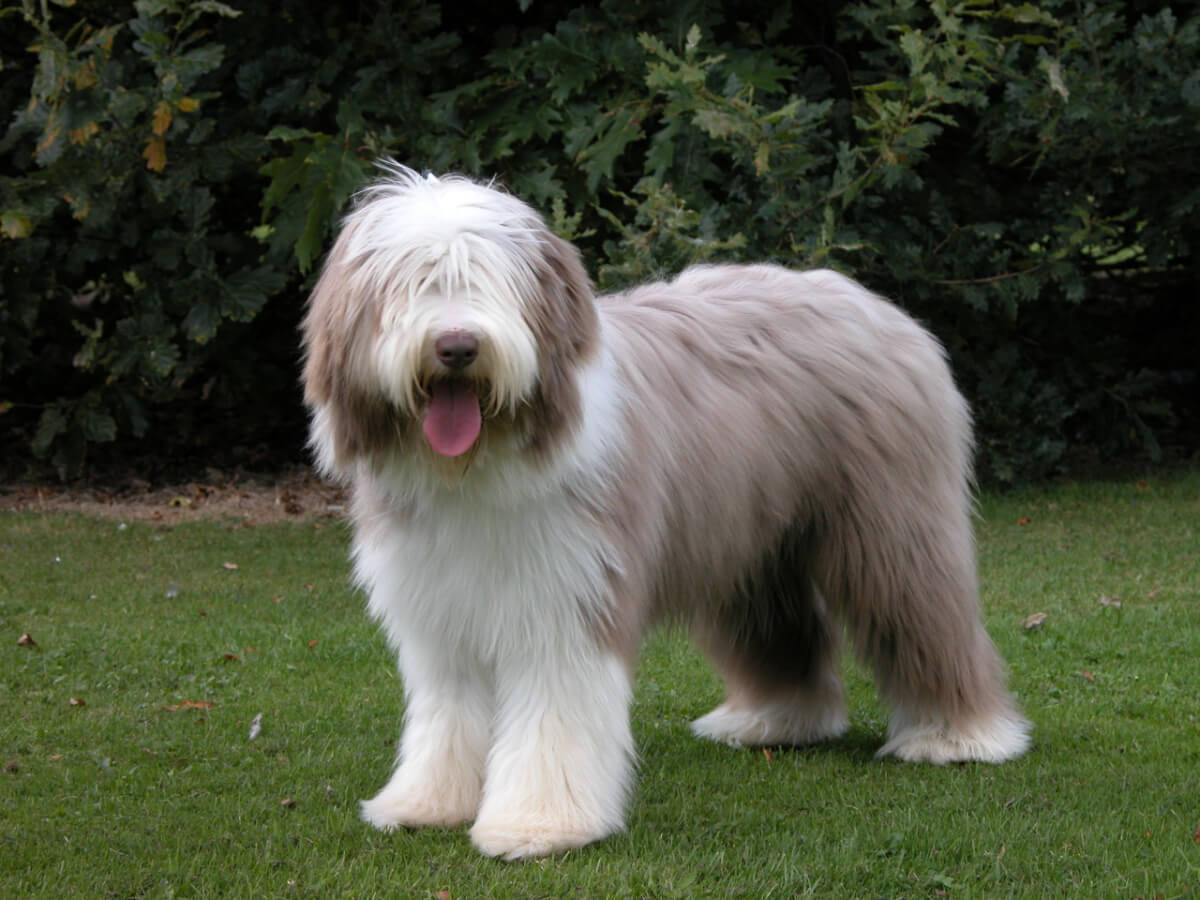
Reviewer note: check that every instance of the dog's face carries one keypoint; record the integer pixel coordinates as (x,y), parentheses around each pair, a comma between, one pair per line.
(446,311)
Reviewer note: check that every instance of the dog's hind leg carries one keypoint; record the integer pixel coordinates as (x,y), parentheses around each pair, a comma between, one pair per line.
(777,651)
(901,571)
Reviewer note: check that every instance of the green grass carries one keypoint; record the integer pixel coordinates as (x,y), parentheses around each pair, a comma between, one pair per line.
(124,797)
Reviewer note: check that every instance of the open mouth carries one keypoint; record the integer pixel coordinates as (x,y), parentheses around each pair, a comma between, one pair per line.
(453,418)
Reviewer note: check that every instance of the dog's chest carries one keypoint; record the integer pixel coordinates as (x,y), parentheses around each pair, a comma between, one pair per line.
(489,578)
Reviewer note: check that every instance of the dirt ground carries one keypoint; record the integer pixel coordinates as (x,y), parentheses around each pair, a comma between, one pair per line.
(295,495)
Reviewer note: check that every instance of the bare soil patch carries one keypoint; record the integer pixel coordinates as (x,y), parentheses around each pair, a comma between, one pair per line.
(294,495)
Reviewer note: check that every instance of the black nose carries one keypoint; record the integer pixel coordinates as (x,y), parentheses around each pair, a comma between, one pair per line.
(456,349)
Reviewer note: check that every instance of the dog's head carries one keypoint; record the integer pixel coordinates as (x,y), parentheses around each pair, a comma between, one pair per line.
(446,310)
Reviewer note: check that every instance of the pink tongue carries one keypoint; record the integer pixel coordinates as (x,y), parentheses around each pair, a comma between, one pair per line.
(453,421)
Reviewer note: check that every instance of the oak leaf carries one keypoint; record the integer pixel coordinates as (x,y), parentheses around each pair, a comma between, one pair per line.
(155,154)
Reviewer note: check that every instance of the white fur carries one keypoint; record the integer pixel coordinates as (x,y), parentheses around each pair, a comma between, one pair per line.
(807,715)
(408,327)
(558,775)
(440,262)
(500,665)
(928,738)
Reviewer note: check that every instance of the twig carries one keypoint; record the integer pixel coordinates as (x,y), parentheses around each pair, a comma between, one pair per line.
(1003,276)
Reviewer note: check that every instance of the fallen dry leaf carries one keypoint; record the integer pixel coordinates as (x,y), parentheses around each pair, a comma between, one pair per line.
(231,657)
(442,895)
(77,701)
(312,644)
(1024,520)
(190,704)
(26,640)
(287,802)
(1110,601)
(767,754)
(12,767)
(1156,589)
(229,565)
(1034,621)
(1088,675)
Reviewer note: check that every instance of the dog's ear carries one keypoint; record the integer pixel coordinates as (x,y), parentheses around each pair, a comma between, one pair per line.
(566,327)
(570,326)
(327,325)
(318,341)
(337,331)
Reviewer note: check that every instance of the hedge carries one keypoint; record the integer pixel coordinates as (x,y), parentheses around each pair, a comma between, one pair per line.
(1020,176)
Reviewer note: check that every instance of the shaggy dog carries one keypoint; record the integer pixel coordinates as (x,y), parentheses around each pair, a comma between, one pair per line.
(540,474)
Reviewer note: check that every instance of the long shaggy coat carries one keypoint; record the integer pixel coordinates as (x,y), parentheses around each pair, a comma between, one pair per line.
(540,474)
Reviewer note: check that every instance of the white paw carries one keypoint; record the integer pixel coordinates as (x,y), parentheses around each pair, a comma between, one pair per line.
(770,724)
(994,740)
(404,806)
(518,838)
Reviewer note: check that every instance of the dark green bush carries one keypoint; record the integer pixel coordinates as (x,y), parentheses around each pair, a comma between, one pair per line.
(127,201)
(1019,176)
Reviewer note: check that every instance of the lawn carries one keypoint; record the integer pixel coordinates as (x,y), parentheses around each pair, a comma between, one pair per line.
(130,769)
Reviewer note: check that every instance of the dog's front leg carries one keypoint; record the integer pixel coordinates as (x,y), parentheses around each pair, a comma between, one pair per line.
(447,722)
(560,767)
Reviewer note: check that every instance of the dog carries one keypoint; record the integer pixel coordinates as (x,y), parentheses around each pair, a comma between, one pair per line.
(540,474)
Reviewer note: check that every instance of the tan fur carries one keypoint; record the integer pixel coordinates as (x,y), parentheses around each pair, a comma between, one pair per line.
(780,429)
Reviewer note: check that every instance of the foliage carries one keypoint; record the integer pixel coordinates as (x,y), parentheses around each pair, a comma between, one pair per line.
(1008,172)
